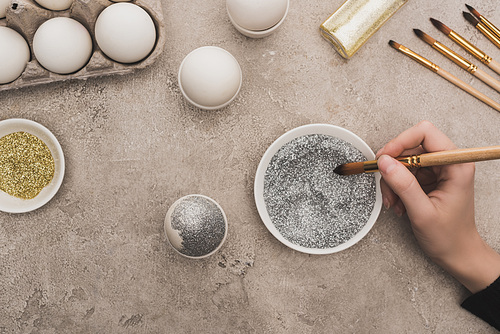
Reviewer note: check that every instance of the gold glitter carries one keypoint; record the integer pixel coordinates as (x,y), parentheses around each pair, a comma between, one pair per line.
(356,21)
(26,165)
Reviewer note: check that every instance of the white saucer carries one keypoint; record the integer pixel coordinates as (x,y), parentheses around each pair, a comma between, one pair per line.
(13,204)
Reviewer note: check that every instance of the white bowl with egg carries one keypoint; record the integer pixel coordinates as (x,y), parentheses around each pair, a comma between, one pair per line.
(210,78)
(13,204)
(257,18)
(312,129)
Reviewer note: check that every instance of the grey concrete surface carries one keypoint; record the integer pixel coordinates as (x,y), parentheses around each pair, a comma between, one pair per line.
(95,259)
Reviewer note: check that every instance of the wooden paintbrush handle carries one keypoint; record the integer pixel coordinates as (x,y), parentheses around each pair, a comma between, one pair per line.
(469,89)
(488,79)
(459,156)
(495,66)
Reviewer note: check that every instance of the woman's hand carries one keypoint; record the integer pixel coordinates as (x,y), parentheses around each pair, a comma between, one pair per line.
(439,202)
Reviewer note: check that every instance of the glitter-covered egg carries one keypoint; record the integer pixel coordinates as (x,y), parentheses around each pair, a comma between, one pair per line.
(196,226)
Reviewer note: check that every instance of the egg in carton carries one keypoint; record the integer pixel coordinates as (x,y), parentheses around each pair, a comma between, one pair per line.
(25,17)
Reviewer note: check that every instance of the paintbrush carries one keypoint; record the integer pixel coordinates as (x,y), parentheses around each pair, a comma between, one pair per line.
(448,76)
(483,29)
(426,160)
(459,60)
(484,21)
(483,57)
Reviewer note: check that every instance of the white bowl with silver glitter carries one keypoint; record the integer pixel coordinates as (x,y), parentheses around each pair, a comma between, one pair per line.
(303,203)
(13,204)
(195,226)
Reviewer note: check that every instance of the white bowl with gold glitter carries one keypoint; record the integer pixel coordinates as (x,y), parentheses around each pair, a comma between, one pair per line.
(304,203)
(11,199)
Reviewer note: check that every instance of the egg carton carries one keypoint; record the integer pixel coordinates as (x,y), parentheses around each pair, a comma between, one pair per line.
(26,16)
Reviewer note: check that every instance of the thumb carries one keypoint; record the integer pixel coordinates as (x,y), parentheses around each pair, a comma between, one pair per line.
(404,184)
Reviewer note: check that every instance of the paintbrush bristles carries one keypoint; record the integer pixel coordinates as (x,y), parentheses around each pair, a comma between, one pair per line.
(469,17)
(350,168)
(423,36)
(394,44)
(444,29)
(473,11)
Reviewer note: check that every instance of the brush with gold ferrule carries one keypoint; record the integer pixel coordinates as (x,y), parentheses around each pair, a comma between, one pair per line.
(483,29)
(484,21)
(448,76)
(468,46)
(459,60)
(426,160)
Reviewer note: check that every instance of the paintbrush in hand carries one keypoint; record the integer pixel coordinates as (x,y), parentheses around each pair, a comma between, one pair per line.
(426,160)
(483,29)
(459,60)
(448,76)
(484,21)
(468,46)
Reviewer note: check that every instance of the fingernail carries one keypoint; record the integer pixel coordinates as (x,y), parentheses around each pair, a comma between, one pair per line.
(387,204)
(398,211)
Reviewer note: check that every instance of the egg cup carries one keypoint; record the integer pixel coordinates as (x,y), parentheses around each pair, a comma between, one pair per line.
(258,33)
(210,77)
(13,204)
(174,236)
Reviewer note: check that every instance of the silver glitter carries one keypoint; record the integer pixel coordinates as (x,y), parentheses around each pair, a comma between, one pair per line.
(201,225)
(309,204)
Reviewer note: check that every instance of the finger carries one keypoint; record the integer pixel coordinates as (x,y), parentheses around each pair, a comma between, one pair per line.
(399,208)
(405,186)
(412,151)
(389,198)
(425,134)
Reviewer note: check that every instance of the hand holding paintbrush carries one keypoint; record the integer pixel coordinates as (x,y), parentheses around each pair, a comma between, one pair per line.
(442,158)
(440,206)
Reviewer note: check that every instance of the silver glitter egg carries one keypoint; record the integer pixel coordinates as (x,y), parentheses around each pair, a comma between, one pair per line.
(195,226)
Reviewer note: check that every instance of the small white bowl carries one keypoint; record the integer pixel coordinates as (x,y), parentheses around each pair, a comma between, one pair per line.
(210,78)
(258,33)
(175,237)
(324,129)
(13,204)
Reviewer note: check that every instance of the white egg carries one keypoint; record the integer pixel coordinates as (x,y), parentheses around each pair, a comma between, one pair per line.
(62,45)
(196,226)
(14,55)
(55,4)
(125,32)
(4,4)
(210,77)
(257,14)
